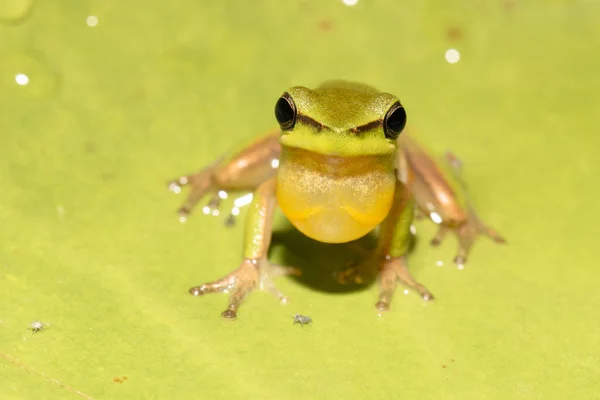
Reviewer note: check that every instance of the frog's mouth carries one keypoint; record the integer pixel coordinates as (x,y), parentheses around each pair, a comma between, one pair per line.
(334,199)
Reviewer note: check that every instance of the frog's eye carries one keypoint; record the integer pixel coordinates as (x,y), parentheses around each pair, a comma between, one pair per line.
(394,121)
(285,112)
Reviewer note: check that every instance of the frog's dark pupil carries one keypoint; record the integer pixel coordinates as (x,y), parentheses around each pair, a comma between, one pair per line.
(285,112)
(395,121)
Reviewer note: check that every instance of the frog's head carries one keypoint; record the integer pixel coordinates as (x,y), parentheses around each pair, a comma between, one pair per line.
(336,176)
(340,119)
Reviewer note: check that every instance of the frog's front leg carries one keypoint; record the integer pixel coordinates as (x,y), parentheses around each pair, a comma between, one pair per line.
(255,269)
(441,194)
(390,255)
(244,171)
(393,246)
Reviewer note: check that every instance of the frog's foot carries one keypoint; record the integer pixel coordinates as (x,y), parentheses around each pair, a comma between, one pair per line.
(200,183)
(245,279)
(468,232)
(392,271)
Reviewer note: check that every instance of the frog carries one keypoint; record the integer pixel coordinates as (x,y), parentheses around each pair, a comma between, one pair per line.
(339,167)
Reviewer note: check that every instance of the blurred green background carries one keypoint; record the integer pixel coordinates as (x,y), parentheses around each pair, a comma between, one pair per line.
(107,109)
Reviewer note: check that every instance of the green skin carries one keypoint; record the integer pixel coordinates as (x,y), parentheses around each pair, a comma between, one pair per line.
(338,177)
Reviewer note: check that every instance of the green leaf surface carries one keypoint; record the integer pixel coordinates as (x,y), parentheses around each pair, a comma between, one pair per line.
(90,243)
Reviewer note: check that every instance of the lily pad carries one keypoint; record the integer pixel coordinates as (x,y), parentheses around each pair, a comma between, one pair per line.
(90,243)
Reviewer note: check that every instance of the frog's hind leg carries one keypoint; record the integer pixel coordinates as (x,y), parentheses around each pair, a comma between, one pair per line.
(468,231)
(244,171)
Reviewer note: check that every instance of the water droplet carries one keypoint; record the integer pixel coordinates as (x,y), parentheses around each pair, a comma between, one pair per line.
(15,11)
(222,194)
(91,21)
(26,75)
(274,163)
(452,56)
(243,201)
(21,79)
(206,210)
(435,217)
(350,2)
(174,187)
(439,263)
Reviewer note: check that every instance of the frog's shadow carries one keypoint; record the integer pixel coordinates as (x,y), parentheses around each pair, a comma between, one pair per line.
(320,262)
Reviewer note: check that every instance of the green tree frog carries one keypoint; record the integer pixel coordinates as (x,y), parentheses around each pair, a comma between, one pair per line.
(338,168)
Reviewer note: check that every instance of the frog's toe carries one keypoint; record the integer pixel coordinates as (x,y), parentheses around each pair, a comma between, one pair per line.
(491,233)
(382,305)
(214,203)
(200,183)
(229,314)
(439,236)
(221,285)
(183,213)
(460,260)
(499,239)
(277,270)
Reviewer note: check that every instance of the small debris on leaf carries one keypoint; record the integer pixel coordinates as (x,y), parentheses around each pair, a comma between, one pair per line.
(302,319)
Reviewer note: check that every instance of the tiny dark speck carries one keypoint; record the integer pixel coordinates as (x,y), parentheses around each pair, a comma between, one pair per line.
(325,25)
(230,221)
(509,5)
(106,176)
(90,147)
(454,33)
